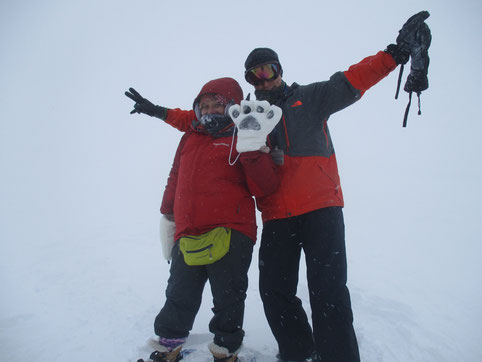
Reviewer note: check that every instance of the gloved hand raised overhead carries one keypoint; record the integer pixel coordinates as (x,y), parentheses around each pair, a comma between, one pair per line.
(407,38)
(417,80)
(254,121)
(413,39)
(143,105)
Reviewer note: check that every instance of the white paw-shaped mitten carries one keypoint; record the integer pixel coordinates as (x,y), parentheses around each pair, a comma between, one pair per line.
(254,120)
(167,229)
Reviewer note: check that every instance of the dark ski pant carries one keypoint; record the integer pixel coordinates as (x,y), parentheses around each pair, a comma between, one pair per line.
(228,278)
(321,235)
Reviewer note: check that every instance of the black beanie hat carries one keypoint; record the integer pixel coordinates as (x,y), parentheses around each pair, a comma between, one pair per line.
(261,56)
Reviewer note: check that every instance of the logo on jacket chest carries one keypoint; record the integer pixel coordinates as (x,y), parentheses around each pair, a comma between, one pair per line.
(221,144)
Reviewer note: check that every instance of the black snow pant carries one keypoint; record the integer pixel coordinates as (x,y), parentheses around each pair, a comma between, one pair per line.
(321,235)
(228,278)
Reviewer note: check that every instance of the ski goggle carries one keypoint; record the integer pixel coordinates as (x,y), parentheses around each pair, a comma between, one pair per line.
(262,73)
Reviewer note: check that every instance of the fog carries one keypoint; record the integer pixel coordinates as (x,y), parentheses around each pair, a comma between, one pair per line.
(82,179)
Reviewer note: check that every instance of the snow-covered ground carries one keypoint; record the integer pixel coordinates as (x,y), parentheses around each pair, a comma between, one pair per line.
(92,296)
(81,271)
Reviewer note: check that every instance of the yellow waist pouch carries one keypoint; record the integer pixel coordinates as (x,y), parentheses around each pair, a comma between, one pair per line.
(206,248)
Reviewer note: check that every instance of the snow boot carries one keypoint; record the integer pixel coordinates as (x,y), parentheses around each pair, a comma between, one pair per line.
(166,350)
(156,356)
(222,354)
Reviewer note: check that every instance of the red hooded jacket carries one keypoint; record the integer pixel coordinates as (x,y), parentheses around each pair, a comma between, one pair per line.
(203,190)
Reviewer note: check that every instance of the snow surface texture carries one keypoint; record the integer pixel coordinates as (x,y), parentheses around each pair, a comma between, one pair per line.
(81,269)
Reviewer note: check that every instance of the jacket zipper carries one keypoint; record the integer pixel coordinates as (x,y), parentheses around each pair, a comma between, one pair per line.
(287,140)
(202,249)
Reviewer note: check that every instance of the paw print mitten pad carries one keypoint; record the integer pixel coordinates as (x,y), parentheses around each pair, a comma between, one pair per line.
(254,121)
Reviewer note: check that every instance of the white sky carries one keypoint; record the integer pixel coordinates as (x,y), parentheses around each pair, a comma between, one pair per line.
(73,158)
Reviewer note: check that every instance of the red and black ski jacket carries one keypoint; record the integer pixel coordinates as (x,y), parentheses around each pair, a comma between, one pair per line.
(309,176)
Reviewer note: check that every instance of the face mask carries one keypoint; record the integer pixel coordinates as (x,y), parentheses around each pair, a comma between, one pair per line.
(272,96)
(213,123)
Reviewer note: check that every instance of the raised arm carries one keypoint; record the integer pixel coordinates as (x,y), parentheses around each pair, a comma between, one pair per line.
(178,118)
(408,44)
(365,74)
(344,88)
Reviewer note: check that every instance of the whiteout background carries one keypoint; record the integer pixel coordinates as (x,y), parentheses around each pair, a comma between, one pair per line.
(81,271)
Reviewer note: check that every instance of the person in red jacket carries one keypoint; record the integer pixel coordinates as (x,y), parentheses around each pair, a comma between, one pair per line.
(209,196)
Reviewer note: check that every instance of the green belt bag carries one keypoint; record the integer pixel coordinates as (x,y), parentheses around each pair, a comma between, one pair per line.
(205,248)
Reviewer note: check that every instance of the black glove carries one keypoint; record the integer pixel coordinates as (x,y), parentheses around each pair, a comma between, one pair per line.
(414,38)
(143,105)
(417,80)
(399,55)
(406,38)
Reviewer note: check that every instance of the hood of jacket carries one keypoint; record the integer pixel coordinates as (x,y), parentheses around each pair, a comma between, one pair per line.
(222,125)
(227,87)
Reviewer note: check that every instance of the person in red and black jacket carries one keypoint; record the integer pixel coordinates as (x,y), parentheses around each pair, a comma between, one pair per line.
(305,213)
(208,189)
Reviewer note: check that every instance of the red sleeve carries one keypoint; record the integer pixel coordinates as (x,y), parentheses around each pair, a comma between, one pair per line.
(180,119)
(260,171)
(167,204)
(370,71)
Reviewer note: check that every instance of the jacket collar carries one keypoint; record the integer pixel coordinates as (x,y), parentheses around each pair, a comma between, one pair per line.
(277,96)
